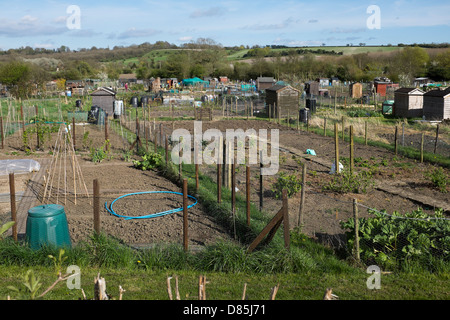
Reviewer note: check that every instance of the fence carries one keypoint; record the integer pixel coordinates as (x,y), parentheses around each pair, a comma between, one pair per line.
(404,237)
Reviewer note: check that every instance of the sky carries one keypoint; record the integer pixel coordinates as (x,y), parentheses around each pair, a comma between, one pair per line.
(76,24)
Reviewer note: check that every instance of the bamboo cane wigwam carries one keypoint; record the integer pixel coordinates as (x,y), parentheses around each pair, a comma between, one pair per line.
(64,176)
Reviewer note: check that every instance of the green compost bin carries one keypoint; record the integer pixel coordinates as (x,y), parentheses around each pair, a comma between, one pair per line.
(47,226)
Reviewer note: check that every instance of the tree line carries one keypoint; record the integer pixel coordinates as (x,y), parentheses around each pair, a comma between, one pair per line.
(25,74)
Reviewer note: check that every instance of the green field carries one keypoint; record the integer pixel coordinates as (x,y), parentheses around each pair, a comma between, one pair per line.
(163,54)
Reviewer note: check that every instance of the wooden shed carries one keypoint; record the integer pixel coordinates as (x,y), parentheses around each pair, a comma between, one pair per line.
(408,103)
(283,96)
(127,78)
(355,90)
(263,83)
(436,104)
(312,88)
(104,98)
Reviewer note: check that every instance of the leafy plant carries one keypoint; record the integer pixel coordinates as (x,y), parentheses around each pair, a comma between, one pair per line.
(149,161)
(390,241)
(348,182)
(439,179)
(291,183)
(5,227)
(100,154)
(31,283)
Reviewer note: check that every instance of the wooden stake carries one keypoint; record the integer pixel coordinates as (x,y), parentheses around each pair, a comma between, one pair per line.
(435,141)
(421,147)
(336,148)
(274,291)
(261,188)
(286,227)
(395,139)
(351,151)
(3,134)
(219,183)
(185,215)
(12,196)
(355,216)
(73,132)
(302,198)
(247,189)
(96,206)
(167,149)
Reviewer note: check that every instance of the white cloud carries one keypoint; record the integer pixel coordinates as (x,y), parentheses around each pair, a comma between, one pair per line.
(28,26)
(188,38)
(271,26)
(137,33)
(211,12)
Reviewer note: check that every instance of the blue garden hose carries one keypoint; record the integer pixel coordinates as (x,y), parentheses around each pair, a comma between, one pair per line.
(149,216)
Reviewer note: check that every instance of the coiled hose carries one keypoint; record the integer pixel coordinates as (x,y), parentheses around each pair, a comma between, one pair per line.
(149,216)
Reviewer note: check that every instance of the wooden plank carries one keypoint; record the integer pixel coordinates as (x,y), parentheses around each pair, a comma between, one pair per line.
(414,196)
(275,222)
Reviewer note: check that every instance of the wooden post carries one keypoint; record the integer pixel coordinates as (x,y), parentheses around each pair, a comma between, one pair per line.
(352,156)
(343,128)
(233,188)
(336,147)
(96,206)
(355,216)
(3,134)
(38,143)
(261,189)
(219,182)
(106,134)
(325,127)
(185,216)
(224,157)
(73,133)
(23,119)
(302,198)
(180,154)
(12,197)
(395,137)
(166,145)
(421,147)
(435,141)
(155,139)
(247,189)
(229,161)
(286,226)
(161,132)
(197,184)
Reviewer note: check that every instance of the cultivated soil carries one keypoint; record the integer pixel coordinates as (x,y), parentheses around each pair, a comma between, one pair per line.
(322,213)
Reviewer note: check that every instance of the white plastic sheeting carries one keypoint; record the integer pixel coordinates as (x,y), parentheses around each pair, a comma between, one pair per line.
(17,166)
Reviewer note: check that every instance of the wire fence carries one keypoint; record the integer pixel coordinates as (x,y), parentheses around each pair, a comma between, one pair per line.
(377,237)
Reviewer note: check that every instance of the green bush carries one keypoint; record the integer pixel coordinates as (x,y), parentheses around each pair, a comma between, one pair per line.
(291,183)
(439,179)
(348,182)
(149,161)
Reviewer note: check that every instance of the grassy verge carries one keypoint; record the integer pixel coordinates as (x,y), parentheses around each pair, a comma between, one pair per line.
(143,274)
